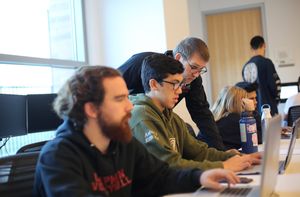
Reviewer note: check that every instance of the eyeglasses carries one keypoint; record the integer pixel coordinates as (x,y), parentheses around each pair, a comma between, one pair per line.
(176,85)
(196,68)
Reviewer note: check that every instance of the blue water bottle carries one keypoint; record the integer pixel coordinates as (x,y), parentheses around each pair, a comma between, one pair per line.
(248,132)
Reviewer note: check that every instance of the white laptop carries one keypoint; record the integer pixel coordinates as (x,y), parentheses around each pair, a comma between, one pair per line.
(269,168)
(283,164)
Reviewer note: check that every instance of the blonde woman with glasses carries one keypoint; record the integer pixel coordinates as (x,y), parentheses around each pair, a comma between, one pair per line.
(227,110)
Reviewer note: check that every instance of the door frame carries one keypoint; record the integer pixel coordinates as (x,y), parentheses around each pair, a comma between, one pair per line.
(261,6)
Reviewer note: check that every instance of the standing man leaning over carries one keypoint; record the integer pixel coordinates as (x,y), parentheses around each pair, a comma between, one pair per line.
(163,132)
(94,153)
(261,70)
(193,54)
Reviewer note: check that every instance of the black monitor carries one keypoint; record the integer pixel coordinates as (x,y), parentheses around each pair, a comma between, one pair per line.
(288,90)
(12,115)
(40,114)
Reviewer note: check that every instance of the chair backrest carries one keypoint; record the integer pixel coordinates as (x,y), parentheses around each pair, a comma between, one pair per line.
(32,147)
(293,114)
(17,174)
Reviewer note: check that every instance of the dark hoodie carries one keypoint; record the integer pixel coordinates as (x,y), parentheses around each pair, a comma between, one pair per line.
(70,165)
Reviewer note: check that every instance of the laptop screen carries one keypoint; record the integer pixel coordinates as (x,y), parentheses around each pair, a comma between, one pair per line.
(293,142)
(288,90)
(12,115)
(40,114)
(271,156)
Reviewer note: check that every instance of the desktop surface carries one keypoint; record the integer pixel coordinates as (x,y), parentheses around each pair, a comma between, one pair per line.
(287,183)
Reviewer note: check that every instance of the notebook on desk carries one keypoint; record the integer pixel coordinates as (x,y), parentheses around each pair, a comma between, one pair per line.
(283,164)
(269,168)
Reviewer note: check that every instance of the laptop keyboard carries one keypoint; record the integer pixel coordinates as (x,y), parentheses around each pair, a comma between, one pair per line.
(281,166)
(235,191)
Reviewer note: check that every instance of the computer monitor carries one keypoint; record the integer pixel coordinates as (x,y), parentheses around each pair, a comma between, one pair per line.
(288,90)
(40,114)
(12,115)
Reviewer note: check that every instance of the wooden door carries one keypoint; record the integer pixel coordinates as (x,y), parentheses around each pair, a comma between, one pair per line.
(229,35)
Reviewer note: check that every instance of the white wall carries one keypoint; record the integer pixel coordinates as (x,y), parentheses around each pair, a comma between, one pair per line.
(176,20)
(116,29)
(283,29)
(281,26)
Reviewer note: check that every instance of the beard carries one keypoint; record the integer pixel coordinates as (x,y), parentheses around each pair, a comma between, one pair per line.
(116,131)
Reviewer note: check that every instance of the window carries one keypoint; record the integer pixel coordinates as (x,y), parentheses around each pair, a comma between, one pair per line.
(42,29)
(41,44)
(20,79)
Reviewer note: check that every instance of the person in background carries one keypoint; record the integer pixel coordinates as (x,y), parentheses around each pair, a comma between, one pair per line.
(251,89)
(194,55)
(261,70)
(227,109)
(94,153)
(163,132)
(291,101)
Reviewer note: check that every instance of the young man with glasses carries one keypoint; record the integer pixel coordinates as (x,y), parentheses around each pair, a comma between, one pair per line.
(163,132)
(193,54)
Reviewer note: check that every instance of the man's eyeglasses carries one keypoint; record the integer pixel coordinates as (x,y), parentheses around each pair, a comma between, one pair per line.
(196,68)
(176,85)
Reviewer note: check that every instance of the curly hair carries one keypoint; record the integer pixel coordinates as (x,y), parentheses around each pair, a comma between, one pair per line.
(84,86)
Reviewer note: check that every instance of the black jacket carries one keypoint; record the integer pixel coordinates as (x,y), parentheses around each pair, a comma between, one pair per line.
(269,84)
(70,166)
(194,95)
(229,128)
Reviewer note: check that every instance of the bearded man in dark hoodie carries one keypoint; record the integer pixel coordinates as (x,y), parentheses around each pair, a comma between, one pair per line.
(94,153)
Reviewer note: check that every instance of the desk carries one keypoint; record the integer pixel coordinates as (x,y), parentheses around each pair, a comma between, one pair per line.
(288,184)
(284,145)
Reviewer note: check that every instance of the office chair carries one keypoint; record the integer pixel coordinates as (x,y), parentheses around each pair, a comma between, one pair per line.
(32,147)
(293,115)
(17,174)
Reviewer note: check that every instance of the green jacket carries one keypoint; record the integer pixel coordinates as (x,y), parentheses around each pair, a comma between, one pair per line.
(166,136)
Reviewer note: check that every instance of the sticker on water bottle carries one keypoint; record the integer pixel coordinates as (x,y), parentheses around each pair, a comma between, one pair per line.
(254,139)
(251,128)
(243,132)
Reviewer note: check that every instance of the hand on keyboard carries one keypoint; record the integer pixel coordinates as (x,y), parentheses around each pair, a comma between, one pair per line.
(211,178)
(243,180)
(255,158)
(237,163)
